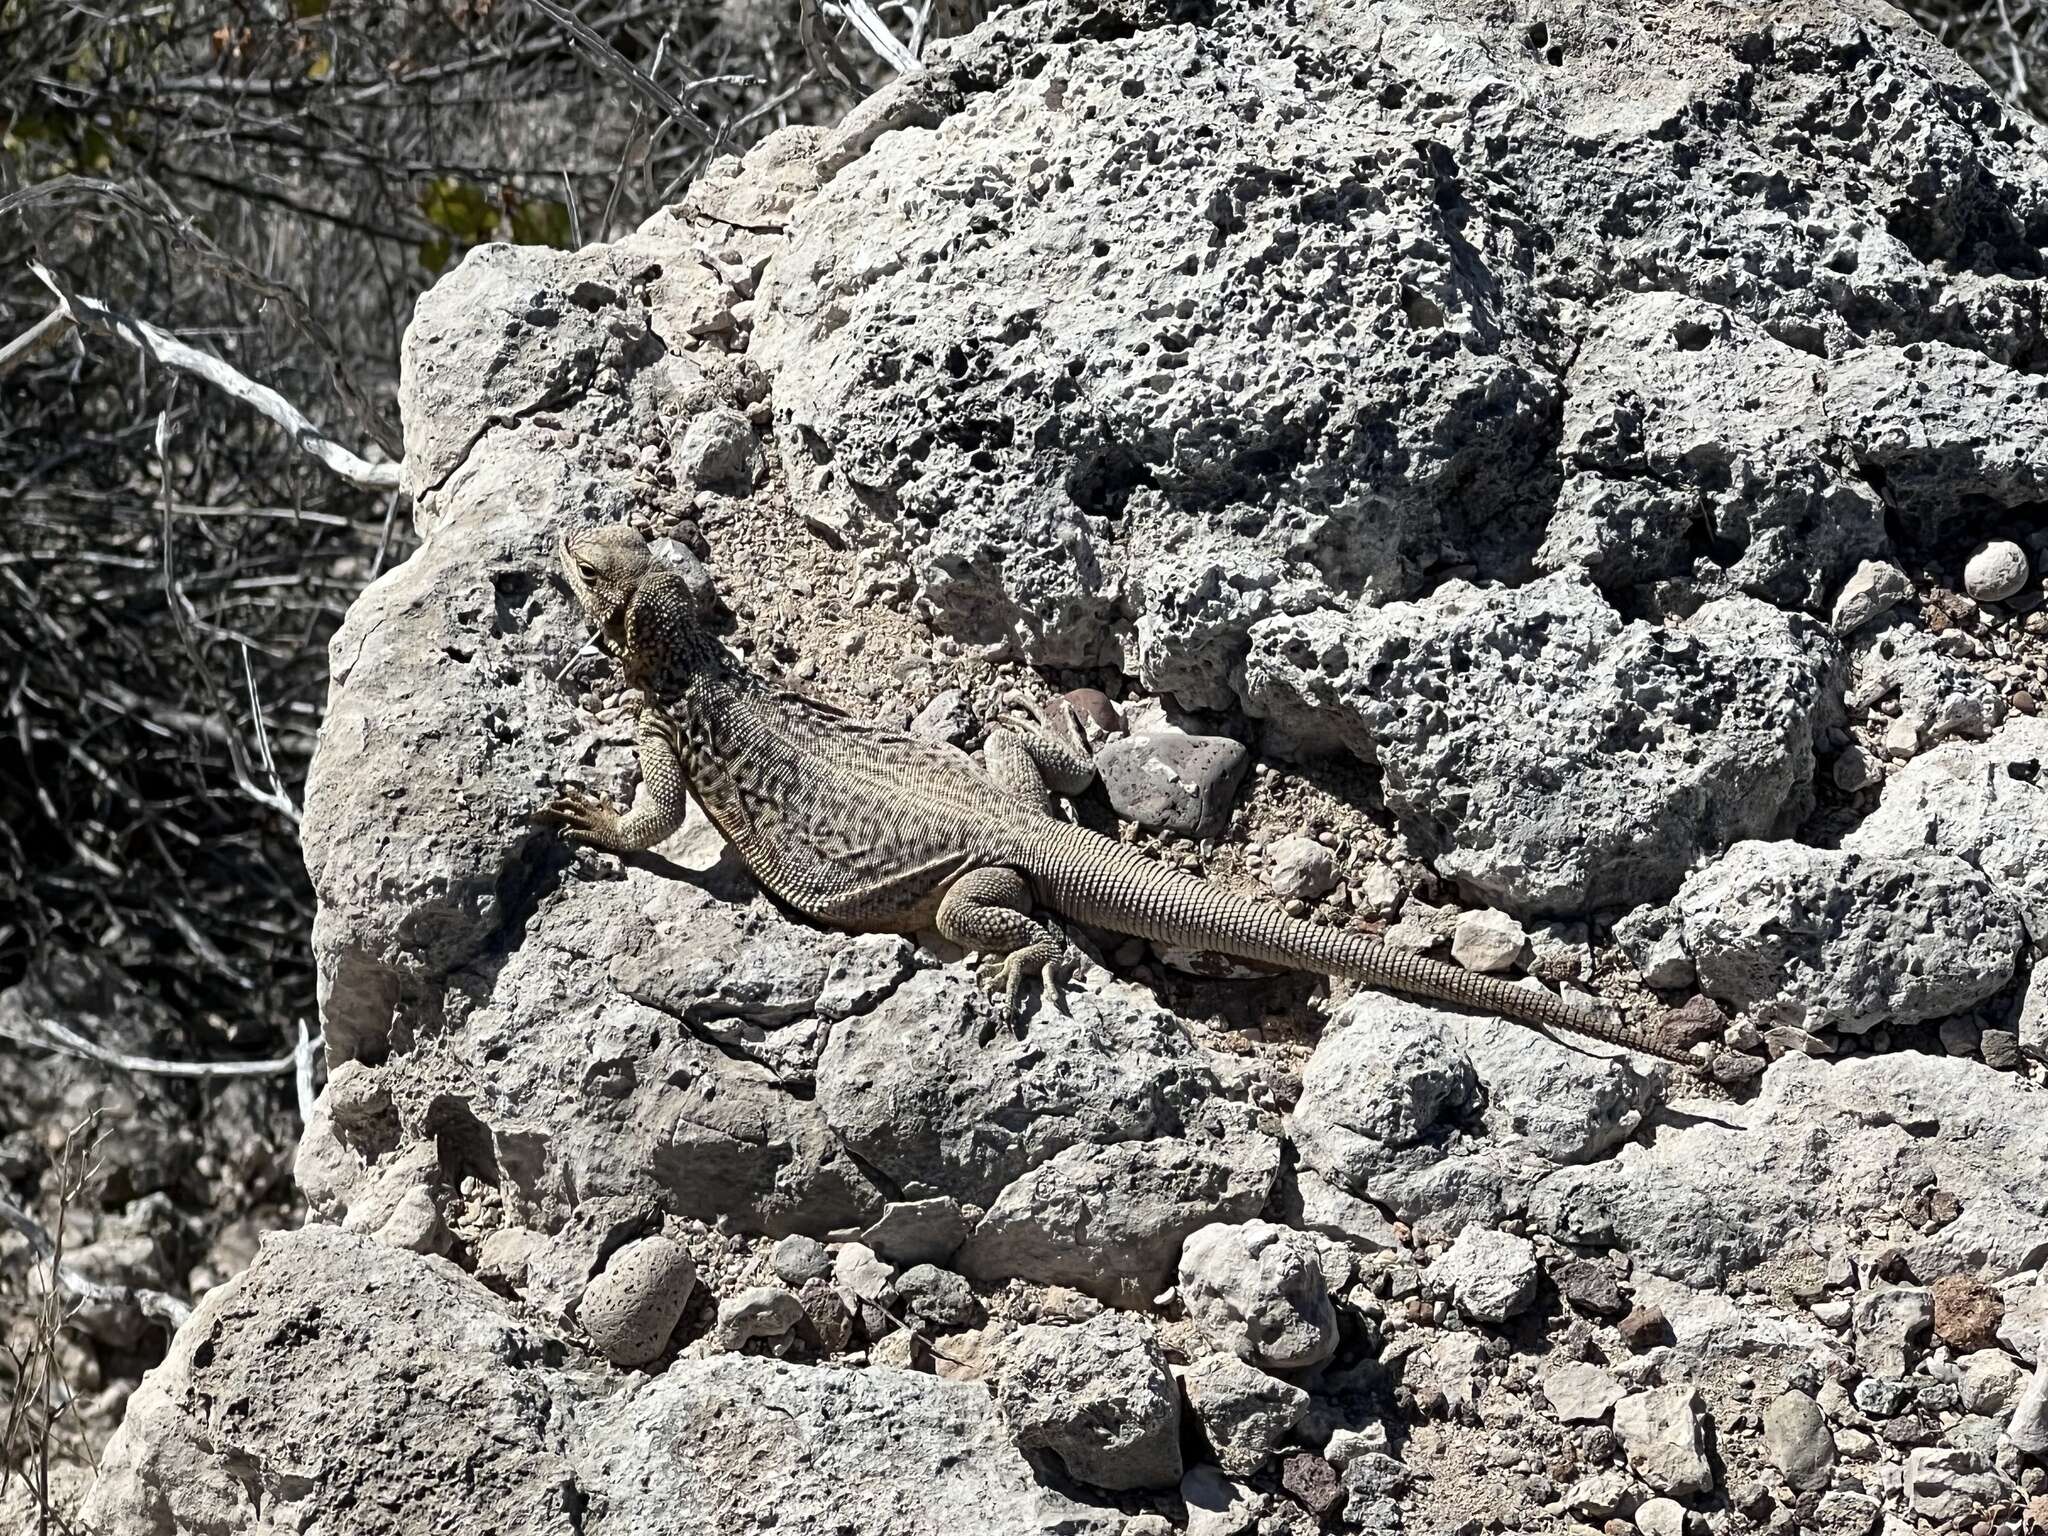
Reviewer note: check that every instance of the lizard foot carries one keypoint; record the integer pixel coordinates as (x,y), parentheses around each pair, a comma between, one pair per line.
(583,818)
(1006,975)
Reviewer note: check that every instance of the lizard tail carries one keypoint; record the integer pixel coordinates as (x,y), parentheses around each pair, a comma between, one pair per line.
(1136,895)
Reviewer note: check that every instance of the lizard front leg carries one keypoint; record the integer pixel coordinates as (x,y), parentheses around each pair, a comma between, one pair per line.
(1038,762)
(990,910)
(659,804)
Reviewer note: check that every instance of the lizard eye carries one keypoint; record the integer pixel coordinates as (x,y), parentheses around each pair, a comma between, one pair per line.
(586,570)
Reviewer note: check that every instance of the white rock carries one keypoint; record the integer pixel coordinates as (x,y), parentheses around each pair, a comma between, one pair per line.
(2029,1426)
(1995,572)
(1487,940)
(1581,1393)
(1490,1276)
(1217,1505)
(1301,867)
(1875,588)
(1661,1517)
(1990,1381)
(1660,1432)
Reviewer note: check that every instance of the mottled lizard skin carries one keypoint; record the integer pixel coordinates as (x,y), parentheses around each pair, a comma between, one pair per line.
(865,828)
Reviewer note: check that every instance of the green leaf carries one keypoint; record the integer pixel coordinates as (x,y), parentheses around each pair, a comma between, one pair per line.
(434,255)
(539,221)
(461,208)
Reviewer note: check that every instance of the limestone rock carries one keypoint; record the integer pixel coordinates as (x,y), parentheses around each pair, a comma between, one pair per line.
(1660,1432)
(1098,1397)
(630,1310)
(1244,1413)
(1489,1275)
(1817,940)
(1257,1290)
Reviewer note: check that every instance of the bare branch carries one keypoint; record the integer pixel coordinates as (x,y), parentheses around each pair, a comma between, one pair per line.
(162,1306)
(65,1041)
(169,352)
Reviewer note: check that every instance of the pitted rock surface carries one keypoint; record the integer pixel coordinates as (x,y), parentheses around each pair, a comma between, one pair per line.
(1504,406)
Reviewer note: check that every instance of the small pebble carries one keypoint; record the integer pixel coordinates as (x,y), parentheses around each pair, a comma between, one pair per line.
(1488,941)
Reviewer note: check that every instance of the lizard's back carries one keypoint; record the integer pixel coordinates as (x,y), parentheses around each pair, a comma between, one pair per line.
(850,822)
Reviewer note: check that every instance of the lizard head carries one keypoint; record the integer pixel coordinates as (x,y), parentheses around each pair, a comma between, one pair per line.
(604,567)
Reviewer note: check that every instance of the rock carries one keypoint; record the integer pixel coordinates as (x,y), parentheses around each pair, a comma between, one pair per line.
(1588,1285)
(1489,1275)
(1881,1398)
(918,1231)
(717,449)
(1888,1324)
(630,1310)
(502,1257)
(1256,1290)
(1660,1517)
(1216,1505)
(1660,1432)
(1244,1412)
(1985,803)
(1302,868)
(1649,937)
(1815,940)
(1947,1484)
(826,1317)
(938,1298)
(1706,1200)
(1842,1513)
(1097,708)
(1098,1397)
(1449,1120)
(1341,1215)
(1966,1312)
(1478,775)
(356,1348)
(1110,1220)
(414,1224)
(798,1258)
(2028,1427)
(1489,941)
(1903,738)
(1798,1442)
(1604,1495)
(2032,1029)
(912,1090)
(1580,1393)
(2000,1049)
(759,1312)
(1990,1381)
(1855,770)
(1312,1482)
(1996,571)
(1873,589)
(948,718)
(1171,780)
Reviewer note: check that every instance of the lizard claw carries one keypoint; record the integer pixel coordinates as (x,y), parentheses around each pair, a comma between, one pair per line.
(583,818)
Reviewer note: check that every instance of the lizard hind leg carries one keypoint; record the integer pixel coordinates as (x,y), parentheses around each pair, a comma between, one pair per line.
(1038,759)
(990,910)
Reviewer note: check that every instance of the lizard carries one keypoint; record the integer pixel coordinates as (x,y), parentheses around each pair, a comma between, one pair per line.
(861,827)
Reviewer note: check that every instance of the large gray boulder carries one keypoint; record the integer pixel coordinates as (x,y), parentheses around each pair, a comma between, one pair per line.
(354,1376)
(1545,753)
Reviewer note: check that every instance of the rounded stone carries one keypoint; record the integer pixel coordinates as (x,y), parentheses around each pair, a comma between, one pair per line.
(798,1258)
(1301,867)
(630,1310)
(1996,571)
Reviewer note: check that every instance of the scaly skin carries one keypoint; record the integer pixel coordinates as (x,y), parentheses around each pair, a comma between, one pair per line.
(865,828)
